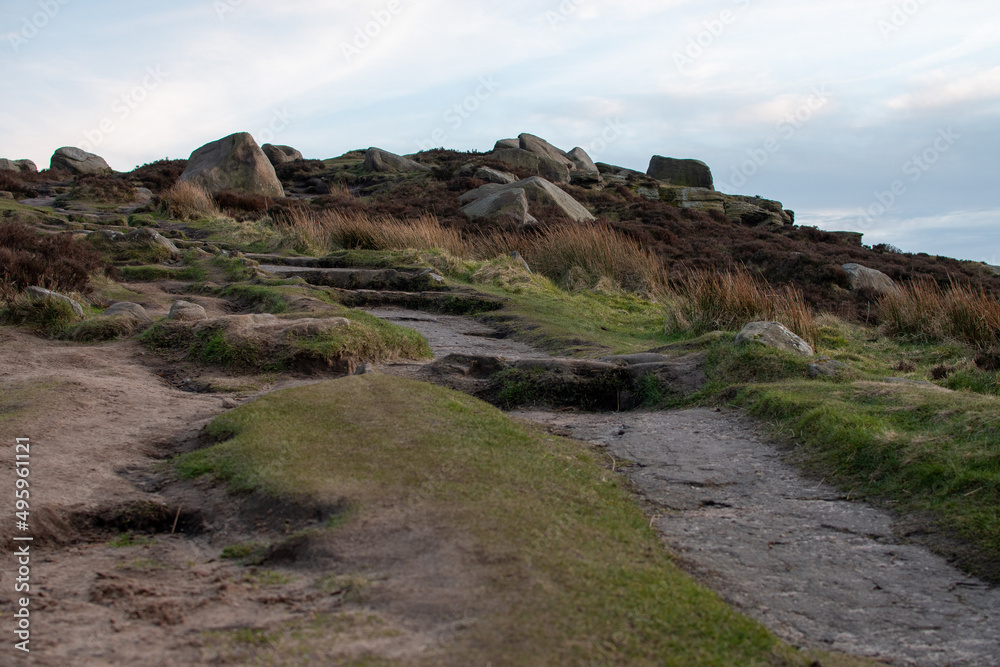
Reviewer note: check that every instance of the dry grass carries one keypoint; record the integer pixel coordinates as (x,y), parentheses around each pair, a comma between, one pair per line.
(189,201)
(335,229)
(705,301)
(579,256)
(922,310)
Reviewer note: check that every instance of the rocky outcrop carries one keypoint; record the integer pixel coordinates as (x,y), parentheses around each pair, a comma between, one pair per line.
(494,176)
(78,162)
(549,169)
(233,163)
(582,161)
(185,311)
(539,146)
(701,199)
(506,143)
(776,335)
(753,211)
(41,294)
(140,238)
(279,155)
(509,204)
(380,161)
(20,166)
(537,190)
(685,173)
(861,277)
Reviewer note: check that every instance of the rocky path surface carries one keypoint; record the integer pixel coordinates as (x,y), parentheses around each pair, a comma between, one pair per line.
(816,568)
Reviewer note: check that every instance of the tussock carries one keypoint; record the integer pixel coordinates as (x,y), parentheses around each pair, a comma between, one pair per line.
(189,201)
(924,311)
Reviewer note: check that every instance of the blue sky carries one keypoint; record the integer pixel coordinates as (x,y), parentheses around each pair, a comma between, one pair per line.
(869,115)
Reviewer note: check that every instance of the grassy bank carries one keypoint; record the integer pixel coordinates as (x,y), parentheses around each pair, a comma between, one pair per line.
(581,576)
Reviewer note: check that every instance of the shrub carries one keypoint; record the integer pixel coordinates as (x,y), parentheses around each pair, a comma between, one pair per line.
(242,202)
(11,182)
(158,176)
(56,261)
(188,201)
(103,188)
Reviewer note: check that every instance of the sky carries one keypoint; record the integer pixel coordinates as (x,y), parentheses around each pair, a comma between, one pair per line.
(866,115)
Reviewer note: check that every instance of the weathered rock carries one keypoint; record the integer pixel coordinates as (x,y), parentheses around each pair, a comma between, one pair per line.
(539,146)
(510,204)
(279,155)
(41,294)
(233,163)
(20,166)
(4,194)
(547,168)
(862,277)
(378,160)
(185,311)
(685,375)
(753,211)
(468,365)
(506,143)
(582,160)
(825,367)
(701,199)
(130,310)
(634,359)
(537,190)
(78,161)
(776,335)
(143,237)
(685,173)
(494,176)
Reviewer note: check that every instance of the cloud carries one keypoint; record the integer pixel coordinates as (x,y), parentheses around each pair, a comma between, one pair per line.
(946,87)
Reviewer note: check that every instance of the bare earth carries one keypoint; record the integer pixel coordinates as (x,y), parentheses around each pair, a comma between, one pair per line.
(817,569)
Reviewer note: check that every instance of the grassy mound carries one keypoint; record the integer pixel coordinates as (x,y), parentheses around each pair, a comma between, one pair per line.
(581,574)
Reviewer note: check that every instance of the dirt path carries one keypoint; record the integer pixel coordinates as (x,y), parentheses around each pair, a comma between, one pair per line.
(817,569)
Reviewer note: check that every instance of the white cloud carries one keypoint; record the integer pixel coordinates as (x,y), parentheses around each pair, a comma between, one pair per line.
(946,87)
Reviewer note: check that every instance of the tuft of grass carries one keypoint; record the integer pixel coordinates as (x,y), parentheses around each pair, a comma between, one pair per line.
(101,329)
(149,274)
(126,540)
(709,301)
(244,550)
(332,229)
(51,317)
(236,269)
(188,201)
(256,298)
(923,311)
(579,575)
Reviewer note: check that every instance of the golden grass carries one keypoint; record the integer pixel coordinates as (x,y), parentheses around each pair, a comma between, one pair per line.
(335,229)
(924,311)
(189,201)
(704,301)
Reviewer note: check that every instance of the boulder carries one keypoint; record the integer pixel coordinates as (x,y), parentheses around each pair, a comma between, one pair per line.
(537,190)
(78,162)
(506,143)
(701,199)
(185,311)
(495,176)
(20,166)
(279,155)
(862,277)
(130,310)
(582,161)
(686,173)
(509,204)
(539,146)
(233,163)
(547,168)
(753,211)
(378,160)
(776,335)
(468,365)
(41,294)
(825,367)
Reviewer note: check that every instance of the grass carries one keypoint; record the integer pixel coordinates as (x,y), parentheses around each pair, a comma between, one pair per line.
(923,311)
(49,317)
(149,274)
(581,575)
(126,540)
(188,201)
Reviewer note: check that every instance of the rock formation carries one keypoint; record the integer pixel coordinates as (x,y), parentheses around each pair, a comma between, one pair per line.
(233,163)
